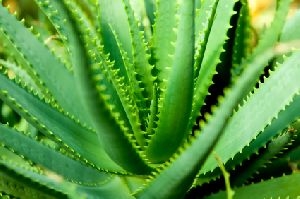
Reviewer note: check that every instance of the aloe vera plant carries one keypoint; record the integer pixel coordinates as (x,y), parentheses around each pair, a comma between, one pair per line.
(149,99)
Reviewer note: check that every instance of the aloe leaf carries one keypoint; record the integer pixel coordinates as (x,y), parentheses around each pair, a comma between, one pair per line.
(274,148)
(22,75)
(18,186)
(23,64)
(112,82)
(90,9)
(274,188)
(31,177)
(152,118)
(112,13)
(53,161)
(111,132)
(144,22)
(40,58)
(241,48)
(164,37)
(7,152)
(268,40)
(284,118)
(13,185)
(56,15)
(120,97)
(172,124)
(127,101)
(214,47)
(150,10)
(135,72)
(131,97)
(50,121)
(140,52)
(106,189)
(171,181)
(203,24)
(243,127)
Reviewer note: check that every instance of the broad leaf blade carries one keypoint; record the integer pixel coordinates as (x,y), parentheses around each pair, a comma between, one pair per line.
(50,121)
(282,187)
(113,135)
(173,115)
(213,49)
(243,126)
(72,190)
(49,158)
(44,63)
(285,117)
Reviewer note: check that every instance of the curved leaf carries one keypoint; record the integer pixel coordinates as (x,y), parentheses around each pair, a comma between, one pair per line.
(48,67)
(112,134)
(283,187)
(173,115)
(49,158)
(50,121)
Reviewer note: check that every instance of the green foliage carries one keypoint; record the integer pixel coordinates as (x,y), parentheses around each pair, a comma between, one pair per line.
(148,99)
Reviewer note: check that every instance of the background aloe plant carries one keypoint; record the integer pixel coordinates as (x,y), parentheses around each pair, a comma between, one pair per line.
(148,99)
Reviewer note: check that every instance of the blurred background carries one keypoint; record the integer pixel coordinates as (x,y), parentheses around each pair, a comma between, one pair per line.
(261,10)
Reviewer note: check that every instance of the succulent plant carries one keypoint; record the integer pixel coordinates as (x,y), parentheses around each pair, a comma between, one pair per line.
(149,99)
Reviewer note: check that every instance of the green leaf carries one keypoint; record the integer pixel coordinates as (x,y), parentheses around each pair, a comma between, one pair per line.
(114,137)
(205,17)
(22,76)
(11,183)
(268,40)
(282,187)
(112,81)
(57,17)
(176,178)
(133,102)
(106,190)
(152,118)
(243,127)
(114,188)
(164,37)
(41,59)
(150,10)
(24,66)
(173,116)
(284,118)
(121,98)
(49,158)
(50,121)
(214,47)
(274,148)
(140,53)
(90,9)
(241,48)
(113,14)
